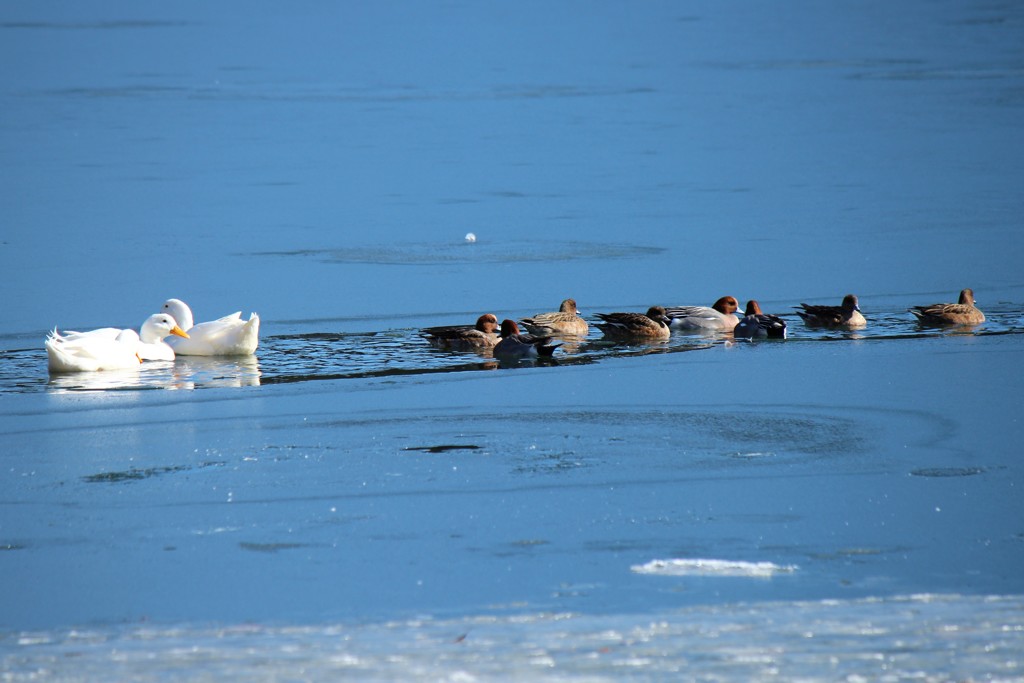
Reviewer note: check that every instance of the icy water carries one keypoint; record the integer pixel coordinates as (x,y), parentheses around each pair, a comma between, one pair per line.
(353,504)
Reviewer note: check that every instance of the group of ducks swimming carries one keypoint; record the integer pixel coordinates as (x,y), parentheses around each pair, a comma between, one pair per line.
(162,336)
(507,342)
(172,332)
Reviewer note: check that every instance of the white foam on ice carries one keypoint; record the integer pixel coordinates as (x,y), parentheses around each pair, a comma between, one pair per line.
(703,567)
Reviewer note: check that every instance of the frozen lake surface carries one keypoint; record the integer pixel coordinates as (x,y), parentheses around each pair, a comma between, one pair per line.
(351,503)
(920,638)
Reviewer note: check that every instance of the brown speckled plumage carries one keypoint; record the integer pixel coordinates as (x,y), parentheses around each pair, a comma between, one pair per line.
(566,321)
(652,325)
(962,313)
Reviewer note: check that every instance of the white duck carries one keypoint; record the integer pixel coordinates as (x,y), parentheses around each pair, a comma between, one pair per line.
(111,348)
(227,336)
(104,349)
(151,337)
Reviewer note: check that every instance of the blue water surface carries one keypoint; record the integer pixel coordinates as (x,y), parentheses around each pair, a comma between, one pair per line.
(322,163)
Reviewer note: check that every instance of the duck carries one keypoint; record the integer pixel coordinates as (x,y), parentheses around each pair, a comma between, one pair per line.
(720,315)
(517,346)
(845,316)
(566,321)
(227,336)
(112,348)
(151,344)
(758,325)
(107,348)
(482,335)
(651,325)
(962,313)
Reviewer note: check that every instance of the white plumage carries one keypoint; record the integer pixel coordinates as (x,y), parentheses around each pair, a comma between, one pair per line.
(227,336)
(111,348)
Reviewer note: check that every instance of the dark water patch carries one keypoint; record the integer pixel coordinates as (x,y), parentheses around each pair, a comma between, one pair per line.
(857,552)
(96,25)
(122,92)
(527,546)
(942,472)
(539,445)
(569,443)
(481,251)
(271,548)
(886,69)
(383,373)
(139,474)
(443,448)
(133,474)
(241,91)
(409,95)
(819,435)
(540,462)
(760,518)
(284,453)
(800,64)
(326,337)
(932,74)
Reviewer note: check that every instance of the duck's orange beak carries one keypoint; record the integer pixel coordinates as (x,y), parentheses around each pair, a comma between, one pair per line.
(180,332)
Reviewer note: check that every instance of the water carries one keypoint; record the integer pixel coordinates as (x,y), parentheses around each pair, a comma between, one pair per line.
(358,504)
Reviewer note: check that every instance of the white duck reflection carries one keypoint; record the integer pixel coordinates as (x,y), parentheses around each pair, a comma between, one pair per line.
(193,372)
(181,374)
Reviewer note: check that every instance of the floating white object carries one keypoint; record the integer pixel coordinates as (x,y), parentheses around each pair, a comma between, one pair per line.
(104,349)
(696,567)
(227,336)
(110,348)
(470,237)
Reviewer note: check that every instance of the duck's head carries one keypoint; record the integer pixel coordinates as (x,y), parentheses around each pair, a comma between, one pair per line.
(179,310)
(726,305)
(488,323)
(658,314)
(158,326)
(509,328)
(568,306)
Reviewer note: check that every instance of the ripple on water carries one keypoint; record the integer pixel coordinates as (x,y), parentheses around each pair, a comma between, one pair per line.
(477,251)
(947,471)
(576,440)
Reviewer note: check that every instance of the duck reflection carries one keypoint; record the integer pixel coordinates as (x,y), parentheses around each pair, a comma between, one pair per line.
(191,372)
